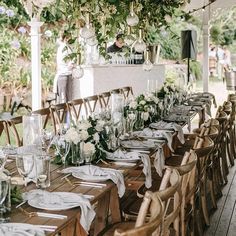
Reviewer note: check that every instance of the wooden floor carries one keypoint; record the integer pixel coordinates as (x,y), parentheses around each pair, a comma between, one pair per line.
(223,220)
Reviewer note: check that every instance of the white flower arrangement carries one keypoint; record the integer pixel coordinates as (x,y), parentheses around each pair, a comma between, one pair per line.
(89,148)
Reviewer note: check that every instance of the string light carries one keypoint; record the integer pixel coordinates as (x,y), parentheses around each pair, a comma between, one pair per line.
(202,8)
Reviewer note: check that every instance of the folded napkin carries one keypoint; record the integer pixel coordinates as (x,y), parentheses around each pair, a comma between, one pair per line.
(159,160)
(120,154)
(165,125)
(19,229)
(112,174)
(150,133)
(66,199)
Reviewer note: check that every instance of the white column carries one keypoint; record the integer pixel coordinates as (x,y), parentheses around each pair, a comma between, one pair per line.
(36,63)
(205,71)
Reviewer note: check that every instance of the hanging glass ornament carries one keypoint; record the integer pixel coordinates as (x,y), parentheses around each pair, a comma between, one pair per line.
(129,39)
(78,71)
(147,65)
(87,31)
(92,41)
(132,19)
(140,45)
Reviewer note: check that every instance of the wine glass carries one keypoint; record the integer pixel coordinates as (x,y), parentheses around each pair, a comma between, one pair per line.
(25,164)
(46,139)
(4,186)
(42,171)
(62,147)
(3,159)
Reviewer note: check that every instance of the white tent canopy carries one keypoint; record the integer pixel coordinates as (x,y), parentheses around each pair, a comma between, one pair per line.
(206,15)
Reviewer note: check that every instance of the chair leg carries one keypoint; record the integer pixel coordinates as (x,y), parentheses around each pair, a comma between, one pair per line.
(204,202)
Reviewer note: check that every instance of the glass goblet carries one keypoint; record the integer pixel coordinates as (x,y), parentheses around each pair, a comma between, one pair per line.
(4,185)
(25,164)
(62,147)
(3,159)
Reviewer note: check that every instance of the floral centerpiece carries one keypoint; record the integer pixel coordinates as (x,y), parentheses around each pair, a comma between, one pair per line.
(142,110)
(87,139)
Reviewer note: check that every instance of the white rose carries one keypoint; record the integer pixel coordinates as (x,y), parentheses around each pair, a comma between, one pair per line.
(89,148)
(142,102)
(71,135)
(145,116)
(84,125)
(83,135)
(166,89)
(133,104)
(96,137)
(155,100)
(132,116)
(100,125)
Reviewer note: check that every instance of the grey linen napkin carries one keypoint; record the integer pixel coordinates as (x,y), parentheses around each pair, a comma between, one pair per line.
(112,174)
(57,198)
(13,229)
(159,160)
(120,154)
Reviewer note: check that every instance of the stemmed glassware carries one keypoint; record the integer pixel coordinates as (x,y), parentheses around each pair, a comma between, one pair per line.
(3,159)
(25,164)
(62,147)
(4,188)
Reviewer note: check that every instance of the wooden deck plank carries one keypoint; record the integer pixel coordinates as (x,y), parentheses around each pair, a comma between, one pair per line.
(222,203)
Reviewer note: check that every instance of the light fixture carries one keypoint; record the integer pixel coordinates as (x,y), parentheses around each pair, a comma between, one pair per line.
(139,45)
(92,41)
(129,39)
(132,19)
(87,31)
(147,65)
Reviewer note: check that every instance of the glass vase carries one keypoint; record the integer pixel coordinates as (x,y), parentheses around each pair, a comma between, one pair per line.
(139,124)
(76,158)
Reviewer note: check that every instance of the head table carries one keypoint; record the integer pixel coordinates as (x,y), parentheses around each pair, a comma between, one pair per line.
(105,199)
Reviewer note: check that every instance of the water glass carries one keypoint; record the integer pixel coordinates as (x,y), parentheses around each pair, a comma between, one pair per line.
(25,164)
(3,159)
(4,188)
(43,171)
(32,127)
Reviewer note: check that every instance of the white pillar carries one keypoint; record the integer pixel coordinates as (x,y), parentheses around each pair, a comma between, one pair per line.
(205,71)
(36,63)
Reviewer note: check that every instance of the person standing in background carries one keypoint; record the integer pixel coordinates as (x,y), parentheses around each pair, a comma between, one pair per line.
(118,45)
(63,79)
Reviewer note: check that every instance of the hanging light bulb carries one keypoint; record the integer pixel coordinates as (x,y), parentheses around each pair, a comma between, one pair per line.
(147,65)
(132,19)
(78,71)
(87,31)
(129,39)
(139,45)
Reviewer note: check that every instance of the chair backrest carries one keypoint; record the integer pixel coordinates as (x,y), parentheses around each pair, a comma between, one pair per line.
(46,116)
(116,91)
(77,109)
(127,91)
(105,99)
(92,103)
(58,114)
(14,126)
(151,206)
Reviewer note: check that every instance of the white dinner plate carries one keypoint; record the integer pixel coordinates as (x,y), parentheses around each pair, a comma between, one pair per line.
(137,144)
(92,178)
(141,135)
(135,159)
(59,201)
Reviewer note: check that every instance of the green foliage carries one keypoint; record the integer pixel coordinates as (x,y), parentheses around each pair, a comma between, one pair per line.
(16,195)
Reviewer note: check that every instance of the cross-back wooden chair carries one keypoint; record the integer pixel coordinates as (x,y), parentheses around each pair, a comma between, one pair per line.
(152,207)
(77,109)
(168,188)
(186,166)
(59,113)
(116,91)
(127,91)
(105,99)
(13,126)
(92,104)
(46,116)
(4,133)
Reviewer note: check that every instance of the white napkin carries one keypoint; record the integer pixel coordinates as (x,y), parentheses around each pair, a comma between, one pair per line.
(13,229)
(162,125)
(115,175)
(119,154)
(52,198)
(151,133)
(159,160)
